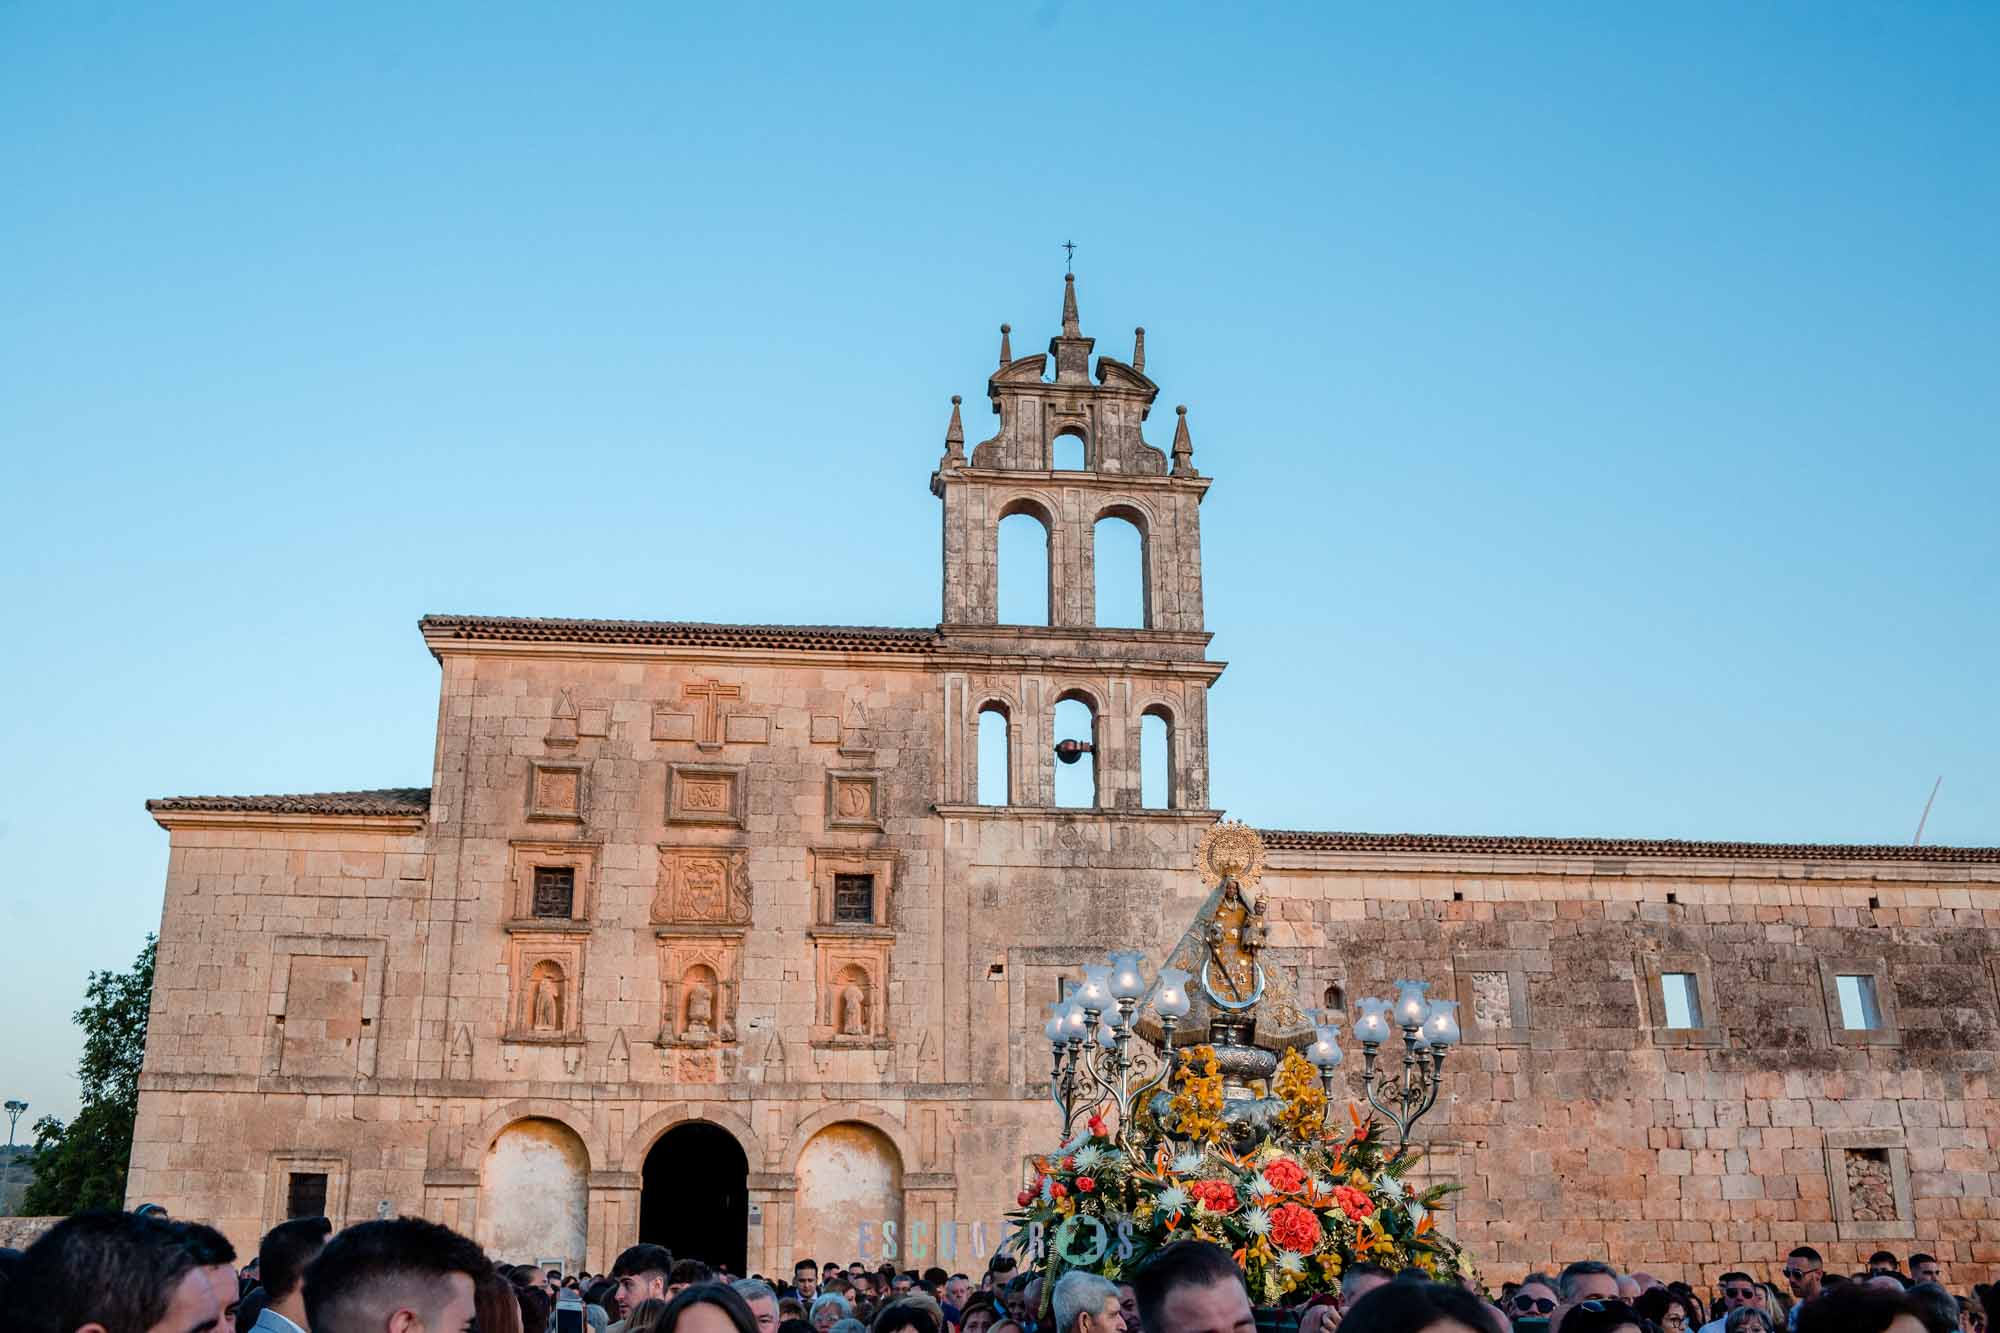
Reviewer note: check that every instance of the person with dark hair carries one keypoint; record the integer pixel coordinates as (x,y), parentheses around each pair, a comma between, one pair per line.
(1739,1290)
(1926,1268)
(641,1273)
(1587,1280)
(1934,1305)
(1859,1307)
(216,1257)
(645,1316)
(1805,1272)
(110,1272)
(805,1276)
(282,1257)
(1358,1279)
(1418,1307)
(1602,1316)
(1884,1262)
(707,1307)
(498,1309)
(907,1315)
(1535,1298)
(535,1307)
(687,1273)
(373,1274)
(1671,1311)
(1193,1286)
(981,1312)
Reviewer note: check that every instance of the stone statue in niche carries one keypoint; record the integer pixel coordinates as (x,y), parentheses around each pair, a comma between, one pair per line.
(853,1016)
(547,1006)
(700,1012)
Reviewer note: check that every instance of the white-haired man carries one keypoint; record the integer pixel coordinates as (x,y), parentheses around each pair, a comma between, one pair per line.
(1087,1303)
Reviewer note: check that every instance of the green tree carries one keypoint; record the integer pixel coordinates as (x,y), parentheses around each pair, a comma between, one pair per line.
(83,1164)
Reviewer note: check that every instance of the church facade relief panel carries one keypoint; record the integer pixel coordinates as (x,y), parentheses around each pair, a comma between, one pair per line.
(705,794)
(707,886)
(556,790)
(854,799)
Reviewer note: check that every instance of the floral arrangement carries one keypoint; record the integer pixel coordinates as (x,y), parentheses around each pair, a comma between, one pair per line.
(1294,1208)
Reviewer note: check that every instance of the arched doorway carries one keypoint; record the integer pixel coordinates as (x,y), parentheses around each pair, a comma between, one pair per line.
(850,1178)
(535,1196)
(695,1198)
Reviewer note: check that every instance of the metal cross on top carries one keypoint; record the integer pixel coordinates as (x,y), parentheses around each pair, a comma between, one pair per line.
(1069,256)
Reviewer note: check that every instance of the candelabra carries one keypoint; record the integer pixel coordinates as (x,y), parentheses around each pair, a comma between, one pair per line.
(1090,1035)
(1430,1029)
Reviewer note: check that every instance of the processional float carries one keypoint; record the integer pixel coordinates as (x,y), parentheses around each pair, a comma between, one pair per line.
(1196,1105)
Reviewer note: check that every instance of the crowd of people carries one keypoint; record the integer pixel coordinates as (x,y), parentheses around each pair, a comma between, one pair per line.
(141,1272)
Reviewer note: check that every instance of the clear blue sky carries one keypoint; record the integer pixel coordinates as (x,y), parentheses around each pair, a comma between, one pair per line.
(1601,399)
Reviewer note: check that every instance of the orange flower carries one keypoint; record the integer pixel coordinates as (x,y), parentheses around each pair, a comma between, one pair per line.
(1285,1175)
(1295,1227)
(1218,1196)
(1353,1202)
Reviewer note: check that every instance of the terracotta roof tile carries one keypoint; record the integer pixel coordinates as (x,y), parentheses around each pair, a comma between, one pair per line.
(382,801)
(682,633)
(1295,840)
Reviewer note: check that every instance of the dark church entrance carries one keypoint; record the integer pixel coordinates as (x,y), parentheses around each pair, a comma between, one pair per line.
(695,1198)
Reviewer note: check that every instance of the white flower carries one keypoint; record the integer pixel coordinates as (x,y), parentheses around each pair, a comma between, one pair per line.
(1187,1163)
(1319,1185)
(1173,1199)
(1291,1263)
(1089,1155)
(1256,1221)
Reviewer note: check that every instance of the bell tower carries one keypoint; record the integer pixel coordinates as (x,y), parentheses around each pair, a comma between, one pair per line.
(1123,675)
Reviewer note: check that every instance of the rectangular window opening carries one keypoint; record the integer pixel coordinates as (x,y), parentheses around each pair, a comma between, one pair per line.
(1683,1001)
(1859,1008)
(555,891)
(305,1194)
(854,900)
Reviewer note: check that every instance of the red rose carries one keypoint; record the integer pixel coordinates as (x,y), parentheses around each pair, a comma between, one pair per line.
(1096,1124)
(1024,1198)
(1295,1227)
(1285,1176)
(1069,1163)
(1086,1183)
(1218,1196)
(1353,1202)
(1058,1190)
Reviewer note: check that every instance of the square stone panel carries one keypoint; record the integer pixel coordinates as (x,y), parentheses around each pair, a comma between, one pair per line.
(854,799)
(705,794)
(555,790)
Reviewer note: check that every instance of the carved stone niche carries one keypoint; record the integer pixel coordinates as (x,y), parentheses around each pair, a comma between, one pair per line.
(854,799)
(851,980)
(545,984)
(703,886)
(698,989)
(556,790)
(705,794)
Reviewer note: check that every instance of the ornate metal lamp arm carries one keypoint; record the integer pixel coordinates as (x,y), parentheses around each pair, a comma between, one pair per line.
(1415,1092)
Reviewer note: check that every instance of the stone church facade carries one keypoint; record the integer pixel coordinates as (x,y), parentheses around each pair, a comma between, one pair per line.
(702,934)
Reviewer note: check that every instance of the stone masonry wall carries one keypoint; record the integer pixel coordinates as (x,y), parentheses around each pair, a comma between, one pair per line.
(1582,1126)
